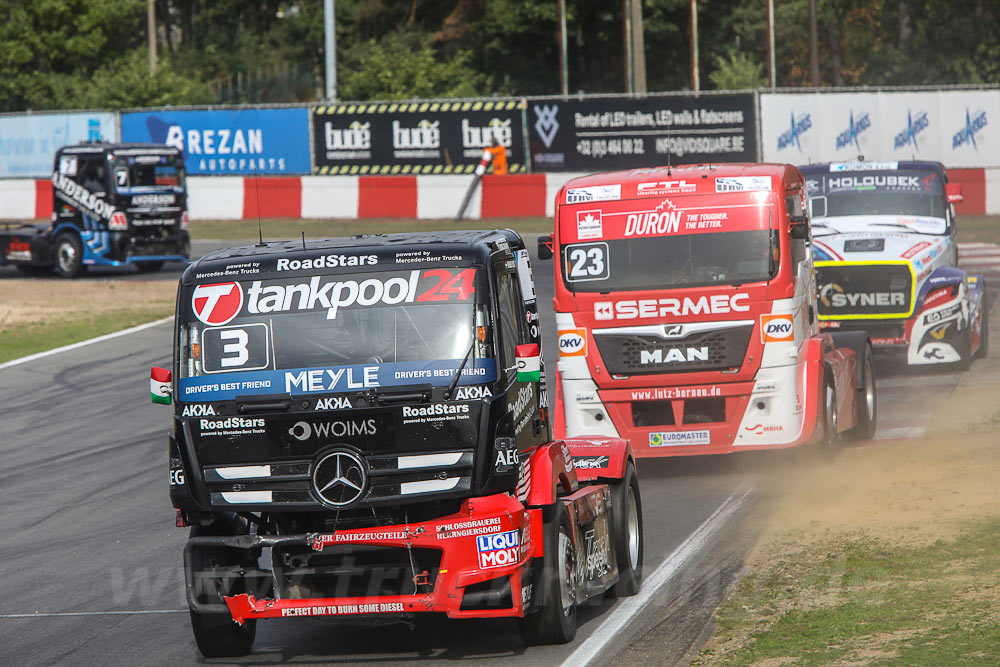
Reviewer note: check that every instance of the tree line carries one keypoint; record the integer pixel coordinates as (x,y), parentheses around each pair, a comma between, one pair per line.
(73,54)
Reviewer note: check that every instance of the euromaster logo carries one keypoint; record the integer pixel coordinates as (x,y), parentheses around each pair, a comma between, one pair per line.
(776,328)
(217,303)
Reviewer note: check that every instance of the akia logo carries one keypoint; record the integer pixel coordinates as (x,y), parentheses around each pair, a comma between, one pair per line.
(333,403)
(217,303)
(198,410)
(472,392)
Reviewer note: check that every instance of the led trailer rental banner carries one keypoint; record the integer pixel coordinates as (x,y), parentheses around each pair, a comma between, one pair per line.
(414,137)
(960,128)
(28,142)
(605,133)
(228,141)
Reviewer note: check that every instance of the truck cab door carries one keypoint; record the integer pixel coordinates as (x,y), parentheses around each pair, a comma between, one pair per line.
(523,399)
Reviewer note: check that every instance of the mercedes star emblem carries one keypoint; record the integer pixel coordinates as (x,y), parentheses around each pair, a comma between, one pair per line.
(339,478)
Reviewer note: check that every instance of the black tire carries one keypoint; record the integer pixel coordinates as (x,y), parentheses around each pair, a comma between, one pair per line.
(218,635)
(149,267)
(555,621)
(984,334)
(626,530)
(68,255)
(867,401)
(964,348)
(829,401)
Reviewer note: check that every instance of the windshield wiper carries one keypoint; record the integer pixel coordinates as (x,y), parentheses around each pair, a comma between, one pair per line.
(454,381)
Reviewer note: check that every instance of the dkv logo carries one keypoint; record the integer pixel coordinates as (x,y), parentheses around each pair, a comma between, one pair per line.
(217,303)
(776,328)
(573,343)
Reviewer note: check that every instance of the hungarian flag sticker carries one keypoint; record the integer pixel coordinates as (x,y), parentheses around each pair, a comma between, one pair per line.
(160,382)
(528,363)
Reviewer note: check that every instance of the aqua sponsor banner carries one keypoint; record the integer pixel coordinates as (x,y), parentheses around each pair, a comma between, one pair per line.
(28,142)
(334,379)
(960,128)
(228,141)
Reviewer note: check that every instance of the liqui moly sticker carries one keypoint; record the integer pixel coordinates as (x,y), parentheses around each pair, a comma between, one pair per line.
(589,225)
(498,549)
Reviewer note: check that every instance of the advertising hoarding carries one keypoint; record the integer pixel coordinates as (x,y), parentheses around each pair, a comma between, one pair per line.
(28,142)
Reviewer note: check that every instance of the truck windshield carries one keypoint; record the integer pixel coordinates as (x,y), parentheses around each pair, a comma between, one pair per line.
(659,243)
(149,171)
(898,193)
(398,322)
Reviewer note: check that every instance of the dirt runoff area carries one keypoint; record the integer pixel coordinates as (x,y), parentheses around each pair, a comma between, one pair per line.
(888,554)
(39,314)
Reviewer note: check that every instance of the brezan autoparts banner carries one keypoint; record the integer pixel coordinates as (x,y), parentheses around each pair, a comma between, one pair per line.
(414,138)
(228,141)
(623,133)
(28,142)
(960,128)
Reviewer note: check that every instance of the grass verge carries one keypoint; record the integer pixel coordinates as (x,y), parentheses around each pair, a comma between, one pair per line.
(39,314)
(979,229)
(888,555)
(286,228)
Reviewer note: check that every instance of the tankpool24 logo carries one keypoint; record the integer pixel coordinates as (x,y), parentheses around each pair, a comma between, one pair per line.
(855,128)
(914,126)
(974,123)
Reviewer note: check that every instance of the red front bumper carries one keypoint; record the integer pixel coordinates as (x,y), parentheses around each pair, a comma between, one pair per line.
(490,539)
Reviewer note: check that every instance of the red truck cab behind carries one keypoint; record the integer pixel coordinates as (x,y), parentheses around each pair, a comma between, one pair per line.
(686,312)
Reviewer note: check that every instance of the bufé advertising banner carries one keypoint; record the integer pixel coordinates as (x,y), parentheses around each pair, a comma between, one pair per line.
(28,142)
(228,141)
(948,126)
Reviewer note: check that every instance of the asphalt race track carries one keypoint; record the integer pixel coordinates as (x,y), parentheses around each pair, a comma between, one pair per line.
(90,561)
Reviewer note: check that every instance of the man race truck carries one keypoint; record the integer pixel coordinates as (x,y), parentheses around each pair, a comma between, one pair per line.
(887,261)
(361,431)
(113,205)
(686,311)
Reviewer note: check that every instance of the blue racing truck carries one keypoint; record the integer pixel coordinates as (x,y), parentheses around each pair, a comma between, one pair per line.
(113,205)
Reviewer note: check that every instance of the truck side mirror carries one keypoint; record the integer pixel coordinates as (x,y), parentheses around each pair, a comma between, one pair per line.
(545,247)
(817,207)
(954,192)
(529,367)
(160,385)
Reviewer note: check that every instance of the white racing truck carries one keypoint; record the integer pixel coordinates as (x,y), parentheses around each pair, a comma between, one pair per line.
(887,260)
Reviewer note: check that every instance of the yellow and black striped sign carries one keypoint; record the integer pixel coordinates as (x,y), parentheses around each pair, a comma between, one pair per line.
(404,169)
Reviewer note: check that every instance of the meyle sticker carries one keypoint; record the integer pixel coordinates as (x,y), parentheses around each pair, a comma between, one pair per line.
(679,438)
(217,303)
(573,343)
(498,549)
(589,225)
(742,183)
(776,328)
(594,193)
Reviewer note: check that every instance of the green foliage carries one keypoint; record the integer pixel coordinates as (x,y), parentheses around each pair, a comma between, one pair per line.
(738,72)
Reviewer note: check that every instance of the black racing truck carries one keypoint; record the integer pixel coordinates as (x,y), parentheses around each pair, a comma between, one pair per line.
(113,205)
(361,431)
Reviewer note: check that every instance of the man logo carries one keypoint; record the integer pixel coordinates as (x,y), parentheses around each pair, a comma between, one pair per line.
(217,303)
(776,328)
(573,343)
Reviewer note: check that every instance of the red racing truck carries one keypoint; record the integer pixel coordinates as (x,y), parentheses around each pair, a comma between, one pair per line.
(686,311)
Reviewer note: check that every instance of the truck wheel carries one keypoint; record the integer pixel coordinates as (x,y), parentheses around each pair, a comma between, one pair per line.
(69,255)
(149,267)
(984,332)
(867,401)
(829,441)
(964,348)
(218,635)
(555,621)
(626,526)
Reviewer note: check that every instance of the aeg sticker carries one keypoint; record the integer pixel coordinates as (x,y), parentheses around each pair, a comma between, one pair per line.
(573,343)
(217,303)
(776,328)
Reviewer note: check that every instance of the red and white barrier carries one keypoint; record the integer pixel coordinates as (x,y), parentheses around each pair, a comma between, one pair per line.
(426,197)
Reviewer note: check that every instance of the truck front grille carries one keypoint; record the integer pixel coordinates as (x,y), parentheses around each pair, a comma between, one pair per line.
(864,291)
(631,354)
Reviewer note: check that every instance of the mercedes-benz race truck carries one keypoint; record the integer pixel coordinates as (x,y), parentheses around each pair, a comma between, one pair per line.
(686,312)
(113,205)
(887,261)
(361,432)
